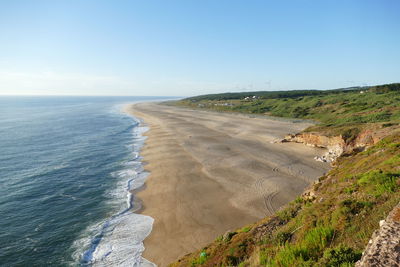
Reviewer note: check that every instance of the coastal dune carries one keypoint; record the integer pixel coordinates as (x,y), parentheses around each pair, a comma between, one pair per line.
(213,172)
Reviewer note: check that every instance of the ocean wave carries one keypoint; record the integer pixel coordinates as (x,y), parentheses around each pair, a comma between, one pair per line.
(118,241)
(117,247)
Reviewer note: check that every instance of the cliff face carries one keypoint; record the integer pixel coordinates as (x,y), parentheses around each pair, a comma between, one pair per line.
(335,144)
(343,143)
(316,139)
(370,137)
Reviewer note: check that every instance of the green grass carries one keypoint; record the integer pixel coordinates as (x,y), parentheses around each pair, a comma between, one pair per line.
(378,182)
(201,259)
(340,256)
(309,249)
(245,229)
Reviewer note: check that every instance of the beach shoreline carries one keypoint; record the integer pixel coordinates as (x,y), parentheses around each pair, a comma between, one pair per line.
(213,172)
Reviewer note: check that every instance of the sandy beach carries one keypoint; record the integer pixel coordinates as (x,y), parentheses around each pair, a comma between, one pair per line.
(213,172)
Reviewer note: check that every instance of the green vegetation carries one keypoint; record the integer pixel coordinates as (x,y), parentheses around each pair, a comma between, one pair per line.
(200,260)
(294,93)
(245,229)
(337,111)
(340,256)
(331,229)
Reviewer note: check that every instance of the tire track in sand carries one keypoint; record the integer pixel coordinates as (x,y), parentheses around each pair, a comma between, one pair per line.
(267,194)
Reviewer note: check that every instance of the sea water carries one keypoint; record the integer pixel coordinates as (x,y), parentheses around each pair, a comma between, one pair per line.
(67,166)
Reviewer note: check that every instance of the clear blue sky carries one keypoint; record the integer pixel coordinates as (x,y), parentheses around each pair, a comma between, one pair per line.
(193,47)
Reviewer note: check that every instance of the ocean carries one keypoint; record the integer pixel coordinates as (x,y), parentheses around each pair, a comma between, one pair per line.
(66,167)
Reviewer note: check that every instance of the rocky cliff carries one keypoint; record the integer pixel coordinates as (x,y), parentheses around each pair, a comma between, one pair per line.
(349,141)
(384,247)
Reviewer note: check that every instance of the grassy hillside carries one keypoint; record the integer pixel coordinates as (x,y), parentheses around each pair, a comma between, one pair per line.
(328,227)
(335,110)
(331,224)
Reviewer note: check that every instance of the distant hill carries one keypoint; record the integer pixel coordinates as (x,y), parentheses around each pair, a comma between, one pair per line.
(293,93)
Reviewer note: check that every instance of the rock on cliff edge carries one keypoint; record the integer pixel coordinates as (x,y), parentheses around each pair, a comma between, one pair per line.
(384,247)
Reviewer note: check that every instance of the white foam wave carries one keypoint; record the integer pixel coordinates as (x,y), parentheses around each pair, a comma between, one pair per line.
(119,240)
(136,165)
(117,248)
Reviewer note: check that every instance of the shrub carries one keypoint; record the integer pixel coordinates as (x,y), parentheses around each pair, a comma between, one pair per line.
(200,260)
(229,236)
(232,260)
(350,134)
(283,237)
(219,238)
(289,212)
(354,207)
(340,256)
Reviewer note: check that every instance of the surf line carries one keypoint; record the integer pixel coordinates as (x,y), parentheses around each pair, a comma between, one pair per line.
(133,204)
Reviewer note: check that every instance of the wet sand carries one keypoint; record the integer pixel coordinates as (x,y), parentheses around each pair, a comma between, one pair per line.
(213,172)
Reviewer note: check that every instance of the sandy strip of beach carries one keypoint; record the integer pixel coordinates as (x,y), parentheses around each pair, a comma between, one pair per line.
(213,172)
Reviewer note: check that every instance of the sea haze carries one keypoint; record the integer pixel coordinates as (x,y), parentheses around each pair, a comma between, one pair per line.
(66,164)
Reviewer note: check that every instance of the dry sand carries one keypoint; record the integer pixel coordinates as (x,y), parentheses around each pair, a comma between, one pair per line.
(213,172)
